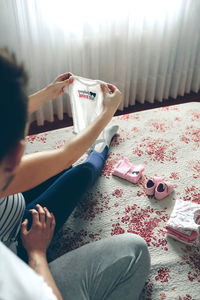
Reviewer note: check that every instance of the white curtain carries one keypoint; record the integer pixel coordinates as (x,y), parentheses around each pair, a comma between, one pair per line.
(150,49)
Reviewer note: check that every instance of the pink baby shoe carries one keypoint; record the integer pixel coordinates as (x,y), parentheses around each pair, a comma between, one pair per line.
(151,184)
(126,170)
(163,189)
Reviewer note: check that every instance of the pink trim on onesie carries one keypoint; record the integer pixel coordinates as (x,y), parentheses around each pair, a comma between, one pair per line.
(128,171)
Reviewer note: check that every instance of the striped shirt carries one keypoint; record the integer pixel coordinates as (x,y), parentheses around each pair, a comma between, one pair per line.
(11,213)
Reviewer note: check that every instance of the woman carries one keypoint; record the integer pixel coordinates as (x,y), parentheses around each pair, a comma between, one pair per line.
(112,268)
(47,178)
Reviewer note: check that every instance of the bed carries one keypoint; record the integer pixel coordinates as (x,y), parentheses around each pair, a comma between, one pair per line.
(167,142)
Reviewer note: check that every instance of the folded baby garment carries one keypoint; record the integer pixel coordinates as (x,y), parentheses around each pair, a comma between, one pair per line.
(184,222)
(86,98)
(126,170)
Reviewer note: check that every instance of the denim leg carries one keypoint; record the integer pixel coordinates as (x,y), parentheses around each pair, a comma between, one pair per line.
(35,192)
(62,196)
(63,191)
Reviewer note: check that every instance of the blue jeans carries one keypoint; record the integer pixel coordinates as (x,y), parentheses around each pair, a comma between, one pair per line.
(61,193)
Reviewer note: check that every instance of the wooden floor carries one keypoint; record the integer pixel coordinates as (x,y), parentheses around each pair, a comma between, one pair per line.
(192,97)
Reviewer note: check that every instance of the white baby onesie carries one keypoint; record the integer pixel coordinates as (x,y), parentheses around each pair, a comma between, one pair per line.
(86,99)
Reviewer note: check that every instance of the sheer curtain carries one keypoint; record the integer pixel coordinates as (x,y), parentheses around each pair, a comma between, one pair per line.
(150,49)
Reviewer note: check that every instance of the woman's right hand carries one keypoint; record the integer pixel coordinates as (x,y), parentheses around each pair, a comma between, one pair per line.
(36,240)
(112,98)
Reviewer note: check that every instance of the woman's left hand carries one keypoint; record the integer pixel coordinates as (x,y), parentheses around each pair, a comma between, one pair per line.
(58,85)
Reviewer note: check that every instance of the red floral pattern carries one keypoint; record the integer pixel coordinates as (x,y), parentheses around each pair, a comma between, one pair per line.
(157,149)
(160,126)
(135,116)
(111,161)
(191,134)
(142,222)
(58,144)
(186,297)
(42,138)
(91,208)
(196,115)
(120,137)
(148,290)
(163,275)
(162,296)
(195,166)
(168,108)
(166,141)
(192,193)
(174,176)
(118,193)
(191,257)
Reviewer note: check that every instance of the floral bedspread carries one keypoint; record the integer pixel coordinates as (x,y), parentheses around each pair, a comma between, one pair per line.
(167,141)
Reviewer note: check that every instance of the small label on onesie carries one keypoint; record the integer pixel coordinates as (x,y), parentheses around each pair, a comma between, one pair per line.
(87,95)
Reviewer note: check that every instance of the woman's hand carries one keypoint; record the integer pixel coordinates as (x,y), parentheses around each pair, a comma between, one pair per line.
(112,98)
(37,239)
(57,86)
(52,91)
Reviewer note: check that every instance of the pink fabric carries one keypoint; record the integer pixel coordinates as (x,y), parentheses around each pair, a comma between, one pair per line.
(190,239)
(126,170)
(168,189)
(154,190)
(150,190)
(183,222)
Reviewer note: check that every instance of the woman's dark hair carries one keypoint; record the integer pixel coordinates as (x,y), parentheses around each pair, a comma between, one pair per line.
(13,101)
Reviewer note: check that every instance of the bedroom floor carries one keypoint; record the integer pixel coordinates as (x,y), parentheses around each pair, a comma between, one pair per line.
(192,97)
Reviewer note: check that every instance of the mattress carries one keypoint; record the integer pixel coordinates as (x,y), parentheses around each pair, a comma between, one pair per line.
(167,142)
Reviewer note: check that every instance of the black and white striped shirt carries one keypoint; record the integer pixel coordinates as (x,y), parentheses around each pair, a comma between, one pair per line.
(11,213)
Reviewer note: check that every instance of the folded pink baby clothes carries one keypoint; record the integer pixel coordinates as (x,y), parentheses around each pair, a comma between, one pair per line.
(184,224)
(126,170)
